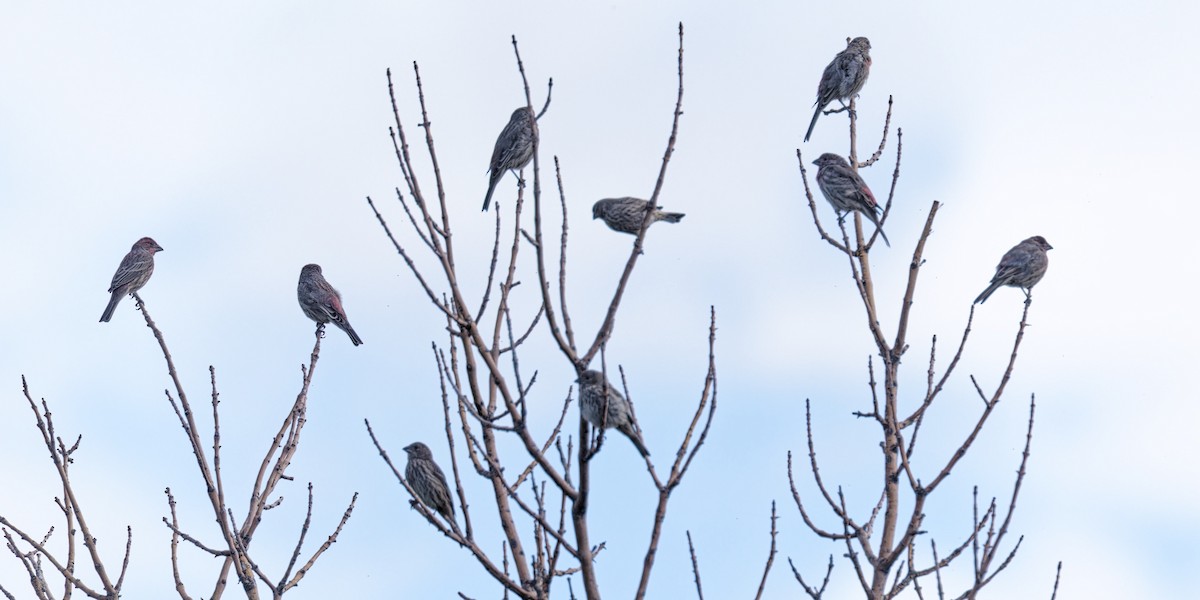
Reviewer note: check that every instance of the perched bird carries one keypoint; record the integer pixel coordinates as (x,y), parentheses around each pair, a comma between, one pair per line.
(1022,266)
(592,391)
(135,270)
(626,214)
(321,303)
(843,78)
(427,480)
(846,190)
(514,148)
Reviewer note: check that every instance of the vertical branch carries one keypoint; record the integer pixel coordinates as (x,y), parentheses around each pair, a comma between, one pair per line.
(770,555)
(606,328)
(688,448)
(695,566)
(891,537)
(579,523)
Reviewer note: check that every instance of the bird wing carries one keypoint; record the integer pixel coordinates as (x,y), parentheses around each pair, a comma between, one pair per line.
(333,308)
(132,266)
(864,192)
(1014,261)
(850,66)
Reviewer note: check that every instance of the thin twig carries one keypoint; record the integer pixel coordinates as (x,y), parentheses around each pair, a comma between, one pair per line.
(695,566)
(762,585)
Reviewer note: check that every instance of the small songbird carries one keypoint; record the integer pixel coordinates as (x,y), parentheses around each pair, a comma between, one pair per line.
(427,480)
(843,78)
(321,303)
(514,148)
(626,214)
(133,273)
(592,391)
(1022,266)
(845,189)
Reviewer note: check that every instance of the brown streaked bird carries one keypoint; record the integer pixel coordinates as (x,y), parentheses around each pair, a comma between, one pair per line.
(133,273)
(513,150)
(1022,267)
(626,214)
(594,392)
(846,191)
(427,480)
(321,303)
(843,78)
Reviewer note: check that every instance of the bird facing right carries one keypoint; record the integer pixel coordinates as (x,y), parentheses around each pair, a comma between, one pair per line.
(592,391)
(427,480)
(845,189)
(133,273)
(626,214)
(321,303)
(843,78)
(514,148)
(1022,266)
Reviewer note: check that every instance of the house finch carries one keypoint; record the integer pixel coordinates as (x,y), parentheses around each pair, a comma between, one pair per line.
(427,480)
(135,270)
(846,190)
(321,303)
(514,148)
(594,391)
(626,214)
(1022,266)
(843,78)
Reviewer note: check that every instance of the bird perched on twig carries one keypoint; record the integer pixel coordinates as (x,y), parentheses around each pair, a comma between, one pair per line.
(514,148)
(321,303)
(626,214)
(843,78)
(594,392)
(845,189)
(133,273)
(427,480)
(1022,266)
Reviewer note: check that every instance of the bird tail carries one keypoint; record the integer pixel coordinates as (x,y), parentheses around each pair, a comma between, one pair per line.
(988,292)
(672,217)
(872,217)
(816,113)
(357,341)
(112,305)
(635,437)
(487,200)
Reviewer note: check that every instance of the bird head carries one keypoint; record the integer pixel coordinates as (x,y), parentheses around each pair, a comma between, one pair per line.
(591,377)
(830,159)
(521,114)
(860,42)
(418,450)
(310,269)
(148,244)
(1040,242)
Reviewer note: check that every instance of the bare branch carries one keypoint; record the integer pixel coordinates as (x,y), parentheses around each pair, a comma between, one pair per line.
(606,328)
(695,567)
(771,556)
(813,592)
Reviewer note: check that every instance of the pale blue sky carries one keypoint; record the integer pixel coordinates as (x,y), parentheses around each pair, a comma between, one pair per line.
(244,139)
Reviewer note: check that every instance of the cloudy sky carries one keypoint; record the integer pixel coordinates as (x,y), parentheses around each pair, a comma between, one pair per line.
(245,138)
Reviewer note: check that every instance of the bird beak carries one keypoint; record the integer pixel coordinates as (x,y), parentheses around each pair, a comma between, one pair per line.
(158,248)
